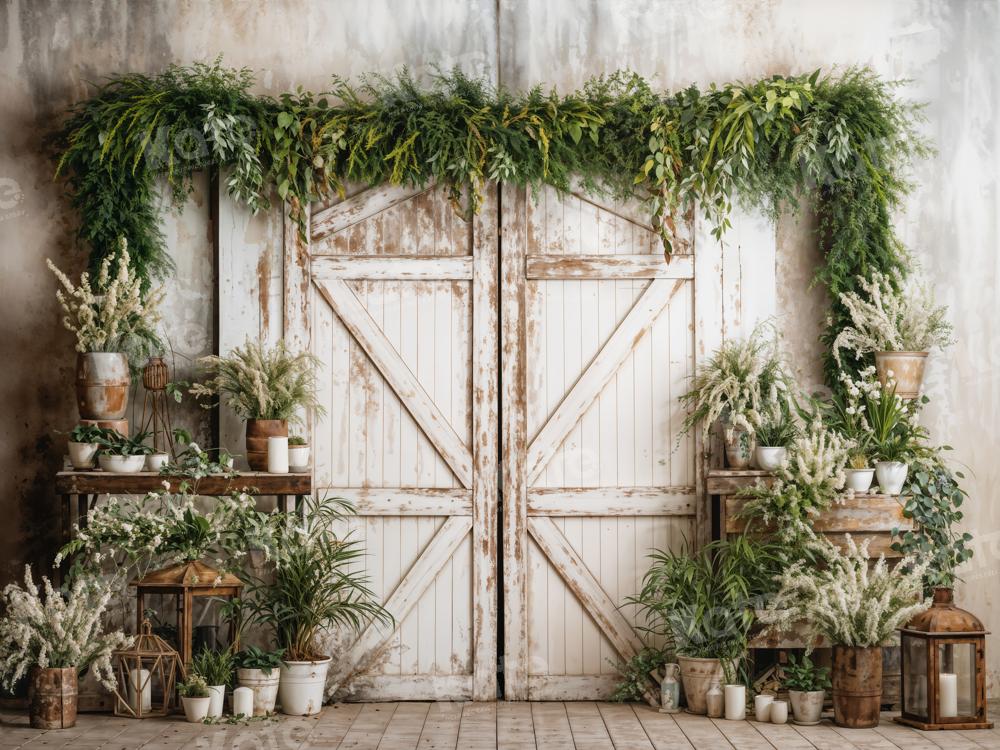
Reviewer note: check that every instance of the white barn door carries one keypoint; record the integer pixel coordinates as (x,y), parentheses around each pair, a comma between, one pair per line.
(598,343)
(397,297)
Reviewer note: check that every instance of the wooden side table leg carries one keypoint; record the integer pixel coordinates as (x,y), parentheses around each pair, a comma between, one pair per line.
(67,533)
(82,509)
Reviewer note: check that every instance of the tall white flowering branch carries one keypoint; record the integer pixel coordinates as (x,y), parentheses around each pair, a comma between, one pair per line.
(892,316)
(746,383)
(845,599)
(44,629)
(106,312)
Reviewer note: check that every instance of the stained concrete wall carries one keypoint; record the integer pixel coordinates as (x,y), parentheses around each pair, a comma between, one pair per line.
(49,50)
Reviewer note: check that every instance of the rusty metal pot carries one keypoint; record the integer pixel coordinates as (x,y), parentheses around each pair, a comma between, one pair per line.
(857,686)
(52,698)
(102,383)
(258,431)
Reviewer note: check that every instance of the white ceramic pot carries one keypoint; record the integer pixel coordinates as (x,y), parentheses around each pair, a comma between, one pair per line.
(736,702)
(277,455)
(121,464)
(156,461)
(298,458)
(195,709)
(762,707)
(264,687)
(779,712)
(891,476)
(860,480)
(82,455)
(807,706)
(302,685)
(770,458)
(217,698)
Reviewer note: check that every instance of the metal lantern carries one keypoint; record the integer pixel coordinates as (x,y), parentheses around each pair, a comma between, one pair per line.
(146,673)
(187,582)
(943,668)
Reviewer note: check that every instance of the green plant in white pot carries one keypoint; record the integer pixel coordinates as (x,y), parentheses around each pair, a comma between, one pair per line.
(120,454)
(807,685)
(298,453)
(742,386)
(311,591)
(703,603)
(896,322)
(773,438)
(196,698)
(896,438)
(83,446)
(114,323)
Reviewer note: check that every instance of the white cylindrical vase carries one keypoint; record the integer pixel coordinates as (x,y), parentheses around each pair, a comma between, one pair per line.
(277,455)
(779,712)
(243,702)
(762,707)
(736,702)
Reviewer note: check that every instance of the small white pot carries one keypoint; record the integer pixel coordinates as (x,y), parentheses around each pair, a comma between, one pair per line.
(736,702)
(298,458)
(82,455)
(216,697)
(156,461)
(779,712)
(302,685)
(121,464)
(860,480)
(195,709)
(264,686)
(762,707)
(770,459)
(891,476)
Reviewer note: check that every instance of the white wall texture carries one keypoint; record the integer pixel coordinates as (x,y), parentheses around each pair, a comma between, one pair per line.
(49,50)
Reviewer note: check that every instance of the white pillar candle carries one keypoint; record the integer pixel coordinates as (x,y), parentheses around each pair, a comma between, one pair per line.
(277,455)
(139,679)
(779,712)
(762,707)
(947,695)
(736,702)
(243,702)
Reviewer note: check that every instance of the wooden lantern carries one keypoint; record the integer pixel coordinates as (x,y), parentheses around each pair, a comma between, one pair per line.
(186,582)
(146,673)
(943,668)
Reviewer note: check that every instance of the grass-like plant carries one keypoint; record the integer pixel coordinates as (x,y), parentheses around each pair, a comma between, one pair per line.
(777,431)
(216,666)
(313,587)
(844,598)
(889,315)
(261,382)
(744,383)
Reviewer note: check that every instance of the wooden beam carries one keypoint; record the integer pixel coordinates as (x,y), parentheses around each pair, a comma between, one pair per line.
(376,635)
(553,267)
(392,268)
(603,367)
(557,687)
(485,447)
(411,687)
(359,207)
(611,501)
(372,501)
(392,367)
(297,309)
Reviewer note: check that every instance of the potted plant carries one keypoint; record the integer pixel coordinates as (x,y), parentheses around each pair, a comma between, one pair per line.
(216,666)
(259,670)
(807,685)
(311,589)
(114,324)
(83,446)
(195,697)
(900,324)
(298,454)
(895,438)
(846,412)
(51,637)
(703,601)
(773,437)
(860,474)
(741,386)
(120,454)
(857,607)
(264,386)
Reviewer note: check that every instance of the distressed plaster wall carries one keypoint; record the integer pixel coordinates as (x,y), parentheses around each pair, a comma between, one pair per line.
(50,49)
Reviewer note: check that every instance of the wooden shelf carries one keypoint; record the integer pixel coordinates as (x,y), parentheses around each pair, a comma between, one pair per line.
(106,483)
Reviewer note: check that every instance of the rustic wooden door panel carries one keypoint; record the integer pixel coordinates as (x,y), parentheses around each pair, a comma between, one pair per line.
(599,329)
(401,311)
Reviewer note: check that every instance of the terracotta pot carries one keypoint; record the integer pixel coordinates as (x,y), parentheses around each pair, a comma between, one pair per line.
(907,370)
(739,447)
(857,686)
(697,676)
(52,697)
(102,381)
(258,431)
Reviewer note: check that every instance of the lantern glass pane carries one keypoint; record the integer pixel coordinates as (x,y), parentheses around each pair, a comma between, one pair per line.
(957,690)
(915,675)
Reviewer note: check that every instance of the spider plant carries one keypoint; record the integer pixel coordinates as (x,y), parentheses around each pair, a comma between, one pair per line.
(113,443)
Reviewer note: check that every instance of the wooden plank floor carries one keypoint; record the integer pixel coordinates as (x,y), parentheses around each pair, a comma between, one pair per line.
(480,726)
